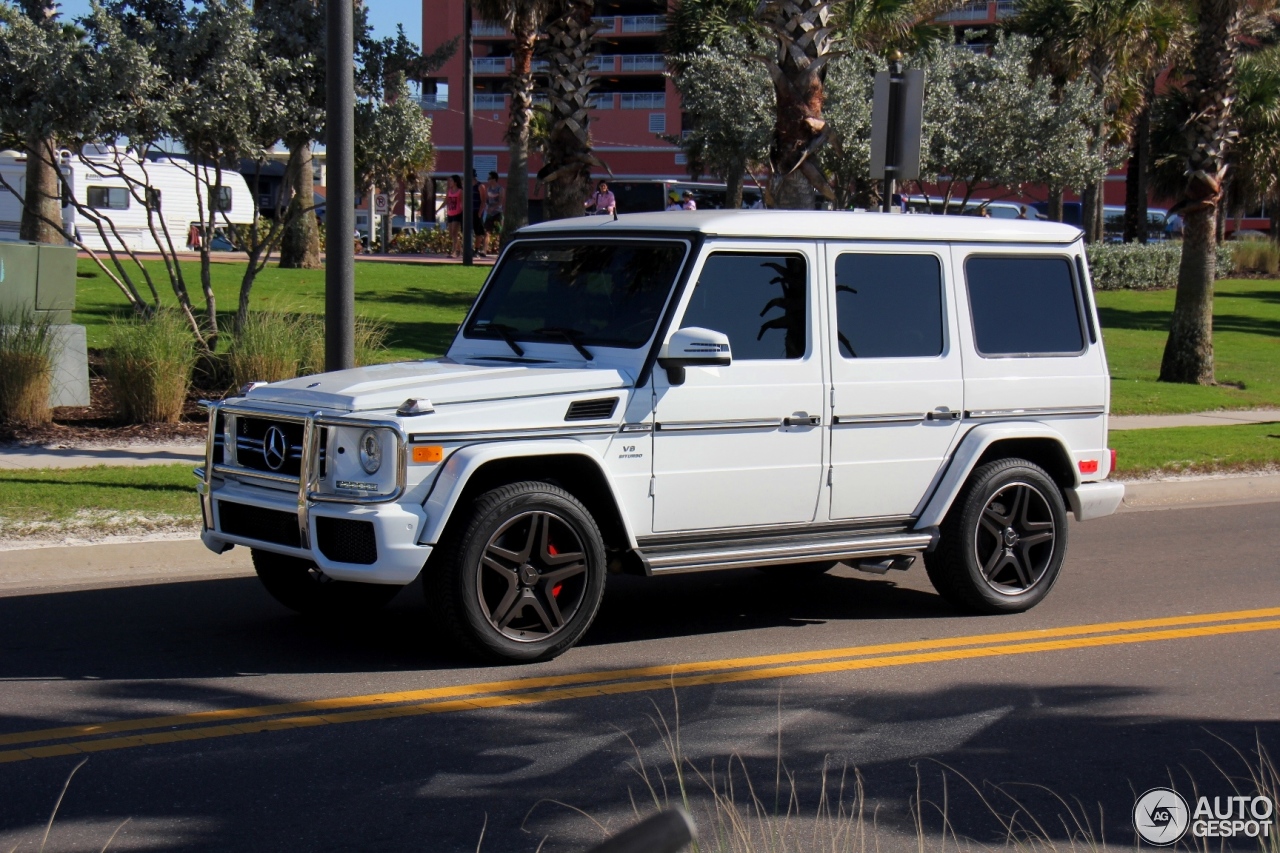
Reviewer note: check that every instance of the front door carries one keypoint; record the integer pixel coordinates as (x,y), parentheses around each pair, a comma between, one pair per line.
(742,445)
(897,384)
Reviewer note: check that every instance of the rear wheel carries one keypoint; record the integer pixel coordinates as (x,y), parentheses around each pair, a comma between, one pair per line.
(299,585)
(1004,540)
(521,577)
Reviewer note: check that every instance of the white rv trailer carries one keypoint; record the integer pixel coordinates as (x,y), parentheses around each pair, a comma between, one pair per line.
(101,180)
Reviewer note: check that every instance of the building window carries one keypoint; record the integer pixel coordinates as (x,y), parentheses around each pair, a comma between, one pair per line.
(219,199)
(108,198)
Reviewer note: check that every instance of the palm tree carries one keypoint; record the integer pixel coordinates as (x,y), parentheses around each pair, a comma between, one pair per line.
(1107,40)
(569,49)
(1255,157)
(1210,87)
(523,18)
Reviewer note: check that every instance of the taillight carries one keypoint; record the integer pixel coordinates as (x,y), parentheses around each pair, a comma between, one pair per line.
(1088,466)
(1113,462)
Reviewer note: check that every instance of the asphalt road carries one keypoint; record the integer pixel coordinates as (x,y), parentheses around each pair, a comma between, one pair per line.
(1155,659)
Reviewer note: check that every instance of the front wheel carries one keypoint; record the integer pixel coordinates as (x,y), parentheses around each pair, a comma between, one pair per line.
(1003,542)
(300,586)
(522,576)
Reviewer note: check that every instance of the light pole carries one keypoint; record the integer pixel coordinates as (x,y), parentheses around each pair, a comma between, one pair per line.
(468,140)
(340,214)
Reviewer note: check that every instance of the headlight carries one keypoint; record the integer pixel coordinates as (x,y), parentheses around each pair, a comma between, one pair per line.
(370,452)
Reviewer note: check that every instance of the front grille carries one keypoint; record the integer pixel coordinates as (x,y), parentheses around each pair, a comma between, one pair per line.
(345,540)
(265,525)
(272,446)
(591,410)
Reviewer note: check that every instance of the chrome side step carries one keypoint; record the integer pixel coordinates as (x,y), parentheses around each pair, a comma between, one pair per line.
(791,549)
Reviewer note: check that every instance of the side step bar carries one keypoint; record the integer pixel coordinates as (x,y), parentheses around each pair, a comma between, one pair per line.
(671,559)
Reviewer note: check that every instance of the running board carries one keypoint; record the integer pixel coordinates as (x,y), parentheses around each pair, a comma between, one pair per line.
(670,559)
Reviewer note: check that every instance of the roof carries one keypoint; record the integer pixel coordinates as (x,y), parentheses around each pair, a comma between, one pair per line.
(822,225)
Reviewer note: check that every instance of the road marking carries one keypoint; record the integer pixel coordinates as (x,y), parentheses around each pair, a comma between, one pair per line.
(538,689)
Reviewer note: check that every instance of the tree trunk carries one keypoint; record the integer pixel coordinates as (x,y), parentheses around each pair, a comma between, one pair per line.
(42,205)
(515,213)
(1188,355)
(300,244)
(1273,211)
(567,173)
(733,188)
(1055,204)
(1135,188)
(1088,213)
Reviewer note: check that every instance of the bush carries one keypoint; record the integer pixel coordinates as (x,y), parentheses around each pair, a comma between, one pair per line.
(26,367)
(276,345)
(426,241)
(1137,266)
(148,367)
(1256,256)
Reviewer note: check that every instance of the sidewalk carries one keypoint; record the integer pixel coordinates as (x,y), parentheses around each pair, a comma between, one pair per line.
(29,458)
(1252,416)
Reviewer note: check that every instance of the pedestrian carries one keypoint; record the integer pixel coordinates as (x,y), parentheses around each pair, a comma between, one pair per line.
(477,212)
(193,237)
(492,231)
(453,214)
(1022,212)
(602,201)
(688,203)
(673,201)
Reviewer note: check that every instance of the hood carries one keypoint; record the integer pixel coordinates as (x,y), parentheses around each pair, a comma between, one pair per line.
(386,386)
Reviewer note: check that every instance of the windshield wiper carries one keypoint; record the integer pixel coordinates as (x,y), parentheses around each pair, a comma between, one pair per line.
(507,333)
(571,336)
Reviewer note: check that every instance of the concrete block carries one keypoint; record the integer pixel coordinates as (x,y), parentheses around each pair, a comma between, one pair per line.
(70,386)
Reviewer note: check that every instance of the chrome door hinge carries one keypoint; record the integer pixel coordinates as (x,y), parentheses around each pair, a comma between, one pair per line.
(830,474)
(651,481)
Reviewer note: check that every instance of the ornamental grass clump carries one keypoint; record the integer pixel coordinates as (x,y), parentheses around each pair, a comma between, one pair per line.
(26,367)
(1256,256)
(272,346)
(149,366)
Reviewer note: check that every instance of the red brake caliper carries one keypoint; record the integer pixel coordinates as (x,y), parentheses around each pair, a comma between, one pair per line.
(555,590)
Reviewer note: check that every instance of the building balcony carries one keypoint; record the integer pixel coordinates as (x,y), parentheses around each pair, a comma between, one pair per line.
(489,65)
(432,102)
(644,23)
(973,11)
(487,101)
(644,62)
(642,100)
(488,29)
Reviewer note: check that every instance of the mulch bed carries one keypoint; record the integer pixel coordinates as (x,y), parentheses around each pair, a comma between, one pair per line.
(98,423)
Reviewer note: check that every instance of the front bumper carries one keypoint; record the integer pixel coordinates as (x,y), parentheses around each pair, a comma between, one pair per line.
(288,514)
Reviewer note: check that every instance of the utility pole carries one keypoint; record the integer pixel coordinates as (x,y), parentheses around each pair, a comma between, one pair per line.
(468,140)
(893,144)
(340,214)
(897,111)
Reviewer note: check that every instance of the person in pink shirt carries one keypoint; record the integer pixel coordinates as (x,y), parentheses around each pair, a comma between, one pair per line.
(602,200)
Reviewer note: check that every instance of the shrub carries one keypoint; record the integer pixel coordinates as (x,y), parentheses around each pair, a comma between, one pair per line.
(148,367)
(1137,266)
(276,345)
(1256,256)
(26,367)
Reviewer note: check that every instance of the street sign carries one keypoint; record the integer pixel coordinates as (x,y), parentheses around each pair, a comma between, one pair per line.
(380,204)
(900,161)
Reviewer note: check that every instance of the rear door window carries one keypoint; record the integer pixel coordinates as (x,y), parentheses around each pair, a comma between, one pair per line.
(888,305)
(1024,306)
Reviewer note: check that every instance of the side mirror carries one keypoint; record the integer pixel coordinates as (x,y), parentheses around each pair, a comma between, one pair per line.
(693,347)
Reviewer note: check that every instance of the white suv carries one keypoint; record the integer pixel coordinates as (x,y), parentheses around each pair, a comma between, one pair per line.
(688,391)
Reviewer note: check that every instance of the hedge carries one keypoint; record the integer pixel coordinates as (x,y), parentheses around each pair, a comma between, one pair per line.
(1135,266)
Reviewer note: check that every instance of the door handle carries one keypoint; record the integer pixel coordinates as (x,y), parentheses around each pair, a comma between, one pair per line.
(942,413)
(802,419)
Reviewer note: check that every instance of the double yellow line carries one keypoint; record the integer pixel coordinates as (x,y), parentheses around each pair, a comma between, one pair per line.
(126,734)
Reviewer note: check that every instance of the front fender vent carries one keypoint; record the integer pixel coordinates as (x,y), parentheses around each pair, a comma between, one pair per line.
(591,410)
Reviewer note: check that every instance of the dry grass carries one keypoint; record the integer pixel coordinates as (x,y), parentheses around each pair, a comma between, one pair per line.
(1256,256)
(148,367)
(26,368)
(281,345)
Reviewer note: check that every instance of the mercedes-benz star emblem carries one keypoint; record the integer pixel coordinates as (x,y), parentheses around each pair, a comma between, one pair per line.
(275,448)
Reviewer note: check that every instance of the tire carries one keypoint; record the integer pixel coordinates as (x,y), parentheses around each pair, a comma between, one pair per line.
(520,577)
(799,571)
(299,585)
(1003,541)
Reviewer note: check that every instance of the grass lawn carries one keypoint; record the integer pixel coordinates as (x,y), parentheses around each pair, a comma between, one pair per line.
(421,304)
(1196,450)
(1246,343)
(102,499)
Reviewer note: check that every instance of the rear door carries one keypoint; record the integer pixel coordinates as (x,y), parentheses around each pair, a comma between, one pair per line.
(896,381)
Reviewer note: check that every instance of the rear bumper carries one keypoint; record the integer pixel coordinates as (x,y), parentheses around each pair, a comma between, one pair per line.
(1094,500)
(395,529)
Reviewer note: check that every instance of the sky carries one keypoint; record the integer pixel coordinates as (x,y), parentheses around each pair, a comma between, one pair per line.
(383,15)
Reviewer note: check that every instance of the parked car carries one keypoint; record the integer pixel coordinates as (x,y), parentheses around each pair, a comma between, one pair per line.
(688,391)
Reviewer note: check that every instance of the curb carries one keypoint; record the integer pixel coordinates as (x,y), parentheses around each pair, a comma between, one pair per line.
(1144,495)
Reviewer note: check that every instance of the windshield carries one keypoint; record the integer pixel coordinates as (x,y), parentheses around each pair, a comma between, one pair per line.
(585,293)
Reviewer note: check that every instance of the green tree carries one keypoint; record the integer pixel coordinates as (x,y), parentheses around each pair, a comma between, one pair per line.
(393,143)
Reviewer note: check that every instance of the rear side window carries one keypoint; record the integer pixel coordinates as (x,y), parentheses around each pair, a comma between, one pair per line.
(888,306)
(1023,306)
(760,301)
